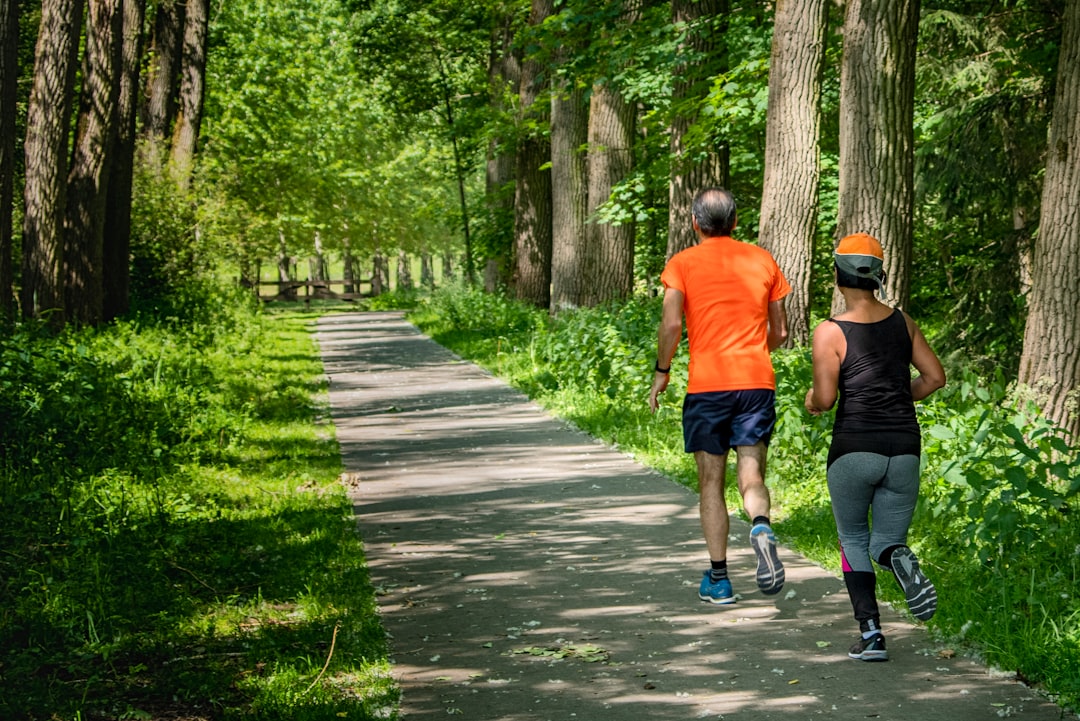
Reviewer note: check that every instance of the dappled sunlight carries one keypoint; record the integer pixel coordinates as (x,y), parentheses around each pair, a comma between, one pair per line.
(516,558)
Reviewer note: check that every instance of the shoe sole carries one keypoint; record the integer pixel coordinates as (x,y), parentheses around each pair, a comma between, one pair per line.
(717,601)
(919,592)
(770,571)
(870,656)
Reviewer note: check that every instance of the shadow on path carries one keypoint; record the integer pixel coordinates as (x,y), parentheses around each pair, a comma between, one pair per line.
(527,572)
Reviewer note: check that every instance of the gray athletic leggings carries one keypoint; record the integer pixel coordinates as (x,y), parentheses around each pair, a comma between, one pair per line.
(861,483)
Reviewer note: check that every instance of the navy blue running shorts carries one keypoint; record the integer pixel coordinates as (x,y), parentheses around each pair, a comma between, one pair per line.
(718,421)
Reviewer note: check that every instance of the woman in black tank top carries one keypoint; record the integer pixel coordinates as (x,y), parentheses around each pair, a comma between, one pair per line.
(863,357)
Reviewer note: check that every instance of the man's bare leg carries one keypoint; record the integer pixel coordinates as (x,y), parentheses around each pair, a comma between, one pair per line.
(712,506)
(750,470)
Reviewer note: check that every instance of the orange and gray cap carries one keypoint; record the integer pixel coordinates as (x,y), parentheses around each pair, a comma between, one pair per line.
(860,255)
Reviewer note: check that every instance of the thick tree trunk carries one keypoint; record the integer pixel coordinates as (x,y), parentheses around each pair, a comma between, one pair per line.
(532,192)
(792,165)
(117,241)
(192,86)
(877,101)
(84,294)
(692,171)
(569,185)
(609,249)
(1051,357)
(9,84)
(46,143)
(164,71)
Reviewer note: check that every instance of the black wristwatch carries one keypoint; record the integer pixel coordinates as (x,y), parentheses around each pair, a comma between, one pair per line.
(662,370)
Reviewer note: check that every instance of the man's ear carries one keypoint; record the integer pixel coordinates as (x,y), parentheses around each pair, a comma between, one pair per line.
(697,227)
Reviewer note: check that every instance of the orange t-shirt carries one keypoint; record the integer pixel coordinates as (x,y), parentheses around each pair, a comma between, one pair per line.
(727,287)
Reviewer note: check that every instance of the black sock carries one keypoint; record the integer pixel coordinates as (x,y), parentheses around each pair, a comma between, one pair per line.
(759,520)
(718,572)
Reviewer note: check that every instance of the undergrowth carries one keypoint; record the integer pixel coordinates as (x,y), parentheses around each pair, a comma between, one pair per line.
(174,541)
(995,525)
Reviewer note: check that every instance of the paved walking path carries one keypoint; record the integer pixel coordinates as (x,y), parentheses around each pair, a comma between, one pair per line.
(529,573)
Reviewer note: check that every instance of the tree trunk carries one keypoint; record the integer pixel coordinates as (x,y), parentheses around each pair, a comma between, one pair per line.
(504,77)
(792,165)
(9,84)
(117,241)
(569,194)
(427,271)
(693,169)
(192,86)
(1051,357)
(447,267)
(164,71)
(877,101)
(404,271)
(348,273)
(532,192)
(84,294)
(46,143)
(609,249)
(380,277)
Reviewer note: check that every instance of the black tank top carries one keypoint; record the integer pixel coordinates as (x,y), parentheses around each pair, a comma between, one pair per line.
(875,412)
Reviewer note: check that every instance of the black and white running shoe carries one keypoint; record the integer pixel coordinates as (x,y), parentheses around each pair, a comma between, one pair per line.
(919,592)
(869,649)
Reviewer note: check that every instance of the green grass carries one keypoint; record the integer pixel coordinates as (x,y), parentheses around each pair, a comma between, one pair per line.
(207,564)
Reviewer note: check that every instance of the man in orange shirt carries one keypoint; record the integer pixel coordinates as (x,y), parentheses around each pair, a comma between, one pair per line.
(732,296)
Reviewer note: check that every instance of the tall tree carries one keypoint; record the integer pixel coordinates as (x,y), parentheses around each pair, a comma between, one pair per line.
(85,223)
(789,196)
(9,83)
(504,77)
(46,143)
(692,168)
(569,195)
(192,87)
(1051,356)
(609,248)
(164,70)
(117,240)
(877,101)
(532,191)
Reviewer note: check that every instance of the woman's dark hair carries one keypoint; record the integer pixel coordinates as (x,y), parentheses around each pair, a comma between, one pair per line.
(847,280)
(714,211)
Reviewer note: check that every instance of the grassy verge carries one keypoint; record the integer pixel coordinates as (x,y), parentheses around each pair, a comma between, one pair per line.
(174,540)
(994,527)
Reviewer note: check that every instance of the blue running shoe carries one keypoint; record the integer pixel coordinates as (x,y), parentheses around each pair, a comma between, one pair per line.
(718,592)
(770,572)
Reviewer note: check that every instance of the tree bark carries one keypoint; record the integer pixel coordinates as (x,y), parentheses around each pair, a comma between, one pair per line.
(569,185)
(192,91)
(117,240)
(877,102)
(164,71)
(792,164)
(609,249)
(47,121)
(1050,360)
(693,169)
(88,181)
(532,192)
(9,84)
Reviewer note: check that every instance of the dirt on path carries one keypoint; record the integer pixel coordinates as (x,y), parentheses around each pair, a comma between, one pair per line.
(528,573)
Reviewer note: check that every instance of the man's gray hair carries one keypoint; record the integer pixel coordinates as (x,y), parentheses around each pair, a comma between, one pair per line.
(714,211)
